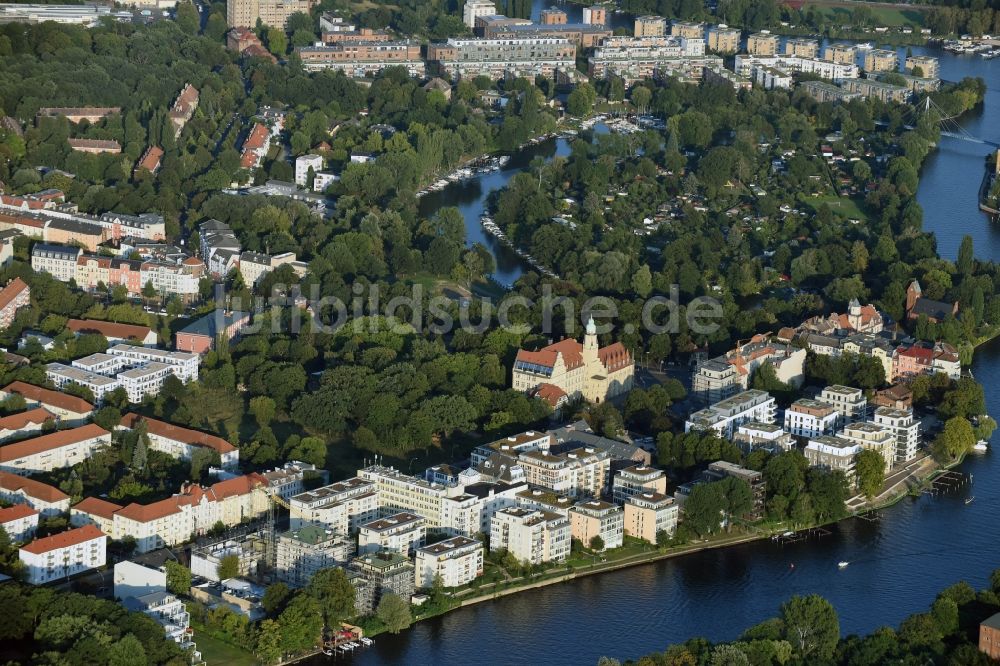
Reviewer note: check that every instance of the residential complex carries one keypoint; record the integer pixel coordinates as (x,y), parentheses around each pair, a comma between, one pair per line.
(532,536)
(19,522)
(363,58)
(13,297)
(595,518)
(834,453)
(274,13)
(722,39)
(455,561)
(307,549)
(881,60)
(62,555)
(726,416)
(723,376)
(343,506)
(638,480)
(47,500)
(181,442)
(381,573)
(904,426)
(648,514)
(63,448)
(400,533)
(810,418)
(496,58)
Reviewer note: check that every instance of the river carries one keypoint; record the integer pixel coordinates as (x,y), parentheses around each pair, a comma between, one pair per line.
(898,564)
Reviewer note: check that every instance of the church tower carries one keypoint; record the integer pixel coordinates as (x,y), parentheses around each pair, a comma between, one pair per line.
(590,341)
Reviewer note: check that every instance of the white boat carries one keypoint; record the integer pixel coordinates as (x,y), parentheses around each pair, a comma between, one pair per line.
(864,46)
(366,640)
(982,446)
(970,500)
(842,564)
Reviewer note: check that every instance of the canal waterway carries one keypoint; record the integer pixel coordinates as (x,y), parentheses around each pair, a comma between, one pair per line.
(898,563)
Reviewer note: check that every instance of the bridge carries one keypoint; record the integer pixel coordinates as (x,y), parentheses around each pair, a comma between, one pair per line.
(952,129)
(966,136)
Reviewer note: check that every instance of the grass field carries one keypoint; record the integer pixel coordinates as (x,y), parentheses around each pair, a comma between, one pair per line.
(844,206)
(839,13)
(218,653)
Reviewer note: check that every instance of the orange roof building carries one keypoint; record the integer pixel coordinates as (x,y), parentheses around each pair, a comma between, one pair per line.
(48,500)
(23,423)
(114,331)
(180,442)
(62,448)
(255,146)
(62,555)
(19,522)
(150,160)
(67,407)
(577,370)
(13,297)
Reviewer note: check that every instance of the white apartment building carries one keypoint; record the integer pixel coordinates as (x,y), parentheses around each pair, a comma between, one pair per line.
(849,402)
(827,69)
(68,408)
(59,261)
(100,363)
(401,533)
(905,428)
(476,8)
(19,522)
(302,165)
(637,480)
(47,500)
(184,364)
(401,492)
(540,500)
(173,278)
(169,612)
(304,551)
(496,58)
(834,453)
(28,422)
(63,448)
(581,472)
(99,385)
(343,506)
(457,561)
(725,416)
(648,514)
(873,437)
(65,554)
(145,380)
(287,481)
(461,514)
(492,498)
(769,436)
(721,377)
(531,440)
(811,418)
(533,537)
(181,442)
(597,518)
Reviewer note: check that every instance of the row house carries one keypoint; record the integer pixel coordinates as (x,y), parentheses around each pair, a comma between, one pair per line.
(13,297)
(255,146)
(178,519)
(35,201)
(180,442)
(63,448)
(28,422)
(69,409)
(47,500)
(63,555)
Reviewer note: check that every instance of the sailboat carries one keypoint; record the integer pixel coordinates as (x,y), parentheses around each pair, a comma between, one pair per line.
(842,564)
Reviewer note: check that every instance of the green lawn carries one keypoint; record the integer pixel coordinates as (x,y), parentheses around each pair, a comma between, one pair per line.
(846,207)
(839,14)
(218,653)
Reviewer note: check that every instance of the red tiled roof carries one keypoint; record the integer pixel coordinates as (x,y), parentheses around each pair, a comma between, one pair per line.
(545,358)
(186,101)
(241,485)
(16,512)
(109,329)
(550,393)
(64,539)
(571,350)
(46,396)
(31,488)
(97,507)
(920,353)
(192,494)
(51,441)
(21,419)
(144,513)
(12,291)
(151,158)
(178,433)
(256,140)
(614,357)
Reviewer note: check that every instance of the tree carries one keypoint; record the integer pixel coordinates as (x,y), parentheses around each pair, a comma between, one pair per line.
(580,102)
(394,613)
(178,578)
(127,652)
(268,646)
(275,598)
(188,19)
(277,41)
(262,408)
(703,508)
(229,567)
(870,468)
(811,626)
(596,542)
(334,593)
(956,439)
(301,623)
(966,261)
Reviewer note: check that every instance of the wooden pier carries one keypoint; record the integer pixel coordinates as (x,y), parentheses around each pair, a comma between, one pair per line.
(801,535)
(947,482)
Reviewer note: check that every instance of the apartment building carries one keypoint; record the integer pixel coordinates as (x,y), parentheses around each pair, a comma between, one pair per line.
(582,35)
(13,297)
(147,226)
(252,153)
(771,78)
(302,165)
(184,107)
(181,279)
(880,90)
(834,453)
(514,445)
(401,492)
(56,450)
(383,572)
(255,265)
(19,522)
(400,532)
(845,54)
(897,396)
(59,261)
(170,613)
(28,422)
(596,518)
(873,437)
(180,442)
(928,66)
(491,497)
(581,472)
(725,375)
(275,13)
(649,513)
(679,57)
(99,385)
(822,91)
(650,26)
(496,58)
(811,418)
(183,364)
(762,44)
(802,48)
(146,380)
(744,64)
(915,360)
(727,77)
(637,480)
(287,481)
(849,402)
(905,428)
(688,29)
(723,39)
(202,335)
(62,555)
(94,511)
(455,561)
(726,416)
(114,332)
(47,500)
(595,15)
(68,408)
(541,500)
(881,60)
(721,469)
(552,16)
(768,436)
(362,59)
(94,146)
(308,549)
(476,8)
(343,506)
(533,537)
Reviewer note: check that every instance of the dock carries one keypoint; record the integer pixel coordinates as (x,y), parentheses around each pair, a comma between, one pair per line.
(800,536)
(947,482)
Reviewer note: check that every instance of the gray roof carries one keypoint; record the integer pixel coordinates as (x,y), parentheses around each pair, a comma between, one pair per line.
(579,433)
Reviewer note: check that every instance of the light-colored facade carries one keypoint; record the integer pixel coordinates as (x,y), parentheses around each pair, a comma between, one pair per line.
(97,384)
(811,418)
(880,90)
(762,44)
(771,78)
(344,505)
(19,522)
(581,472)
(722,377)
(274,13)
(633,60)
(59,261)
(456,561)
(824,68)
(802,48)
(648,514)
(850,403)
(723,39)
(533,537)
(768,436)
(13,297)
(688,29)
(598,519)
(929,66)
(400,533)
(834,454)
(881,60)
(822,91)
(180,442)
(47,500)
(475,8)
(183,364)
(63,555)
(496,58)
(726,416)
(873,437)
(401,492)
(638,480)
(302,165)
(650,26)
(904,427)
(360,59)
(304,551)
(845,54)
(63,448)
